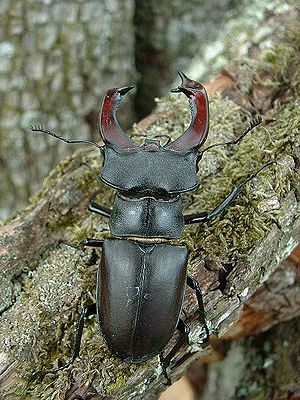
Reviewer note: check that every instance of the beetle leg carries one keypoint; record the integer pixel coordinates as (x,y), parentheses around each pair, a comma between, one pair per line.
(164,369)
(93,206)
(193,284)
(91,242)
(87,164)
(184,338)
(86,312)
(98,208)
(204,216)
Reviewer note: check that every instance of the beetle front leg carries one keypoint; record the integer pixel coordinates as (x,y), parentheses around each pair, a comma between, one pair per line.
(193,284)
(98,208)
(204,216)
(93,206)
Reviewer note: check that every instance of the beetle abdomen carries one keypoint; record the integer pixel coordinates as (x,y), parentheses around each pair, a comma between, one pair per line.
(140,290)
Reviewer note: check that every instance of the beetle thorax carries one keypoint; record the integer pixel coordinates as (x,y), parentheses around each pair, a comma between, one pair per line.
(150,167)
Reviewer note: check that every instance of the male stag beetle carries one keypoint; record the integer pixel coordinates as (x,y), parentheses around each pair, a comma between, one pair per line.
(142,276)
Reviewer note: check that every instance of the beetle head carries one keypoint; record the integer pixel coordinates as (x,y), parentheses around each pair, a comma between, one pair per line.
(152,145)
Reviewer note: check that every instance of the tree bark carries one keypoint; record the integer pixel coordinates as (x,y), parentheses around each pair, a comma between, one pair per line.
(57,60)
(46,279)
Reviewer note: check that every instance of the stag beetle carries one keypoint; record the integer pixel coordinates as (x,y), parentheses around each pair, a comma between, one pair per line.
(142,276)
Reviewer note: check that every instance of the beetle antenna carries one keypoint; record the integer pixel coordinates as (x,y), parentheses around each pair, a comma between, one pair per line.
(253,124)
(41,128)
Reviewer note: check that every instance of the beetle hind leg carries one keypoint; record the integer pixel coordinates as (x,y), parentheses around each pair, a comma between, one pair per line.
(184,338)
(164,369)
(86,312)
(193,284)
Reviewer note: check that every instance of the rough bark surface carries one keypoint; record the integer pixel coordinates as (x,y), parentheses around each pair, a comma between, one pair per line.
(45,280)
(57,60)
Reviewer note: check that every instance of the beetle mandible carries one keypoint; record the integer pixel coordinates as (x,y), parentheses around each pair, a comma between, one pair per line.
(142,276)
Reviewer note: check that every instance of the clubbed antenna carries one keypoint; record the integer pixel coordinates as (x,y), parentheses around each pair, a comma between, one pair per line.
(254,123)
(42,129)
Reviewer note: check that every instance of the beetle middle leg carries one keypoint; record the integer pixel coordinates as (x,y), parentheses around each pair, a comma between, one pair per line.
(91,242)
(184,338)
